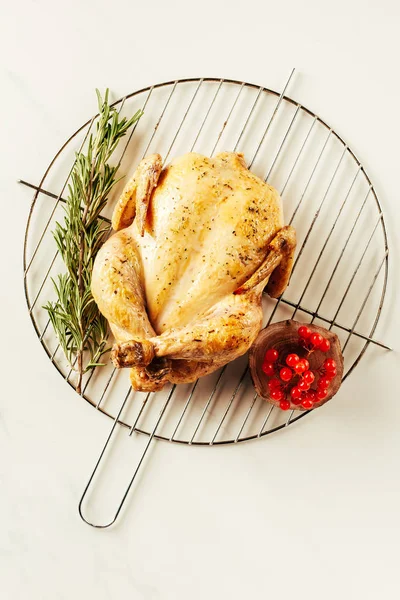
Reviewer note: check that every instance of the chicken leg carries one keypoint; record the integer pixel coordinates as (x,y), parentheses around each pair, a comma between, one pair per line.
(228,329)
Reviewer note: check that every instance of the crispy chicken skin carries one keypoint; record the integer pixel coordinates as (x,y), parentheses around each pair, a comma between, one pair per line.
(181,281)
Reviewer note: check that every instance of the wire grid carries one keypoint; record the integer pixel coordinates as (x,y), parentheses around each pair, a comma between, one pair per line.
(340,271)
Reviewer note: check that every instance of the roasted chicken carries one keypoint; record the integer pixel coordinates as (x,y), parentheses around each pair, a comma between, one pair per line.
(181,281)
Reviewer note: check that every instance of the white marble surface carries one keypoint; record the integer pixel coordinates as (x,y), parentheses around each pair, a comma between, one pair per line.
(312,512)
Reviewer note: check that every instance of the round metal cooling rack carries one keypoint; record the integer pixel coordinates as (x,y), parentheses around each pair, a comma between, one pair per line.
(340,273)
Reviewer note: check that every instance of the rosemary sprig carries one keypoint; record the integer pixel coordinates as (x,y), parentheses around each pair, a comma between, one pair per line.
(77,322)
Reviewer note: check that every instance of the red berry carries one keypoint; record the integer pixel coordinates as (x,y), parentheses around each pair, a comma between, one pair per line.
(303,385)
(312,395)
(274,384)
(295,392)
(277,394)
(292,360)
(284,404)
(271,355)
(329,375)
(329,364)
(296,401)
(268,368)
(324,382)
(304,332)
(308,376)
(322,393)
(285,374)
(316,339)
(324,345)
(302,366)
(306,403)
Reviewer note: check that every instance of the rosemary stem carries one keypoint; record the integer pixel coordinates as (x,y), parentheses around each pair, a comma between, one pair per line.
(79,326)
(80,372)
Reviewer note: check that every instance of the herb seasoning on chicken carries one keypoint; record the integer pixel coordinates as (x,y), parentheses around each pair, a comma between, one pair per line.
(196,244)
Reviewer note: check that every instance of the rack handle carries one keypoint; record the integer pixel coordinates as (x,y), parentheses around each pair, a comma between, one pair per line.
(108,440)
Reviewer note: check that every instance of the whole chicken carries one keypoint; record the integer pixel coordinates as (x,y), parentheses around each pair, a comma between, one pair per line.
(181,281)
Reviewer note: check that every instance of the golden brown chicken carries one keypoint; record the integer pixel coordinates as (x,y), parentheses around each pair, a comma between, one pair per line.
(181,281)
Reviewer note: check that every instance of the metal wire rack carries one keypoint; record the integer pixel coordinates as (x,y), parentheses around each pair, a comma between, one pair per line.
(340,272)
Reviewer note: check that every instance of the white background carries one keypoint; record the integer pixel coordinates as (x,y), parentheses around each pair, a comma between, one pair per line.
(312,512)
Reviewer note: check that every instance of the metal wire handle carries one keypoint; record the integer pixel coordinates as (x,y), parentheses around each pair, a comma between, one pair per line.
(110,435)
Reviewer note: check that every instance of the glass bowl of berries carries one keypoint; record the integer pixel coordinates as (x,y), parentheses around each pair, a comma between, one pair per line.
(295,365)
